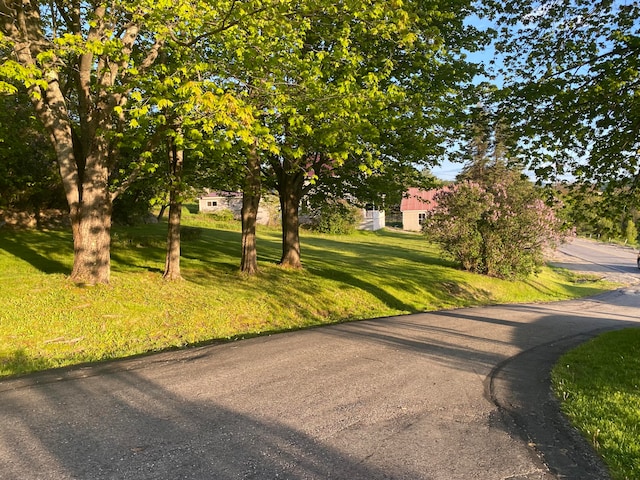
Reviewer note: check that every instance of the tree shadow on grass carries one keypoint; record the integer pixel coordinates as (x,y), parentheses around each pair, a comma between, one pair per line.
(394,268)
(19,361)
(38,248)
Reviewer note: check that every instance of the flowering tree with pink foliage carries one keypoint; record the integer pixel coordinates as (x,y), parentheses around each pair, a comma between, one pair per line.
(499,229)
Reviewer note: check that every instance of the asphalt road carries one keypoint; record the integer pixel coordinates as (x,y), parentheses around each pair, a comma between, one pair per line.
(613,262)
(460,394)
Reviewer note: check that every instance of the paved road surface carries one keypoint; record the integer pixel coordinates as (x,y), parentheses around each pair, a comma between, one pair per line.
(459,394)
(614,262)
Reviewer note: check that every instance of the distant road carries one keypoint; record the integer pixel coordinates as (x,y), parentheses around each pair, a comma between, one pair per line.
(614,262)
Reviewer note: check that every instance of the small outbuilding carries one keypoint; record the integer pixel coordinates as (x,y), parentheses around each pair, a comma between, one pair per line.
(217,201)
(415,205)
(268,210)
(372,219)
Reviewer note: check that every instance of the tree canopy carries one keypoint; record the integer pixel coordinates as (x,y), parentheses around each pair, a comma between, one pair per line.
(572,87)
(302,86)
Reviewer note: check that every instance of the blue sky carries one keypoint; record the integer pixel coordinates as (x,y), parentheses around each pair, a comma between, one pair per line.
(447,171)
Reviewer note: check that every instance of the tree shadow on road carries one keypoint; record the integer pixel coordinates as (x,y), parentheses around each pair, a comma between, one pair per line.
(126,420)
(127,426)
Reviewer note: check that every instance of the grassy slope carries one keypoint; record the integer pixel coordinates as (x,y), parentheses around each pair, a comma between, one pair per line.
(599,384)
(47,322)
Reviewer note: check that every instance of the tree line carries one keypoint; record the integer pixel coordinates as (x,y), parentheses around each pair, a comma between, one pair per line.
(298,96)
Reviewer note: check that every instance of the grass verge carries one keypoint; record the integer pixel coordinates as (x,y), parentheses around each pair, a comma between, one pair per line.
(599,386)
(47,322)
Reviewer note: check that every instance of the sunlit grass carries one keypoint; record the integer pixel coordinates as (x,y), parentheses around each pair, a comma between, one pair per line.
(45,321)
(599,386)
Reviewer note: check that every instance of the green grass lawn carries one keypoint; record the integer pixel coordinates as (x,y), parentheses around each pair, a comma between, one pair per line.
(599,386)
(45,321)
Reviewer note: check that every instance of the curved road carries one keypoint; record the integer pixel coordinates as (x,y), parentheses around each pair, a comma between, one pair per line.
(460,394)
(615,262)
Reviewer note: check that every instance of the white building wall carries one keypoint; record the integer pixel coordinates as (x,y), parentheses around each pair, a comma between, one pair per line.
(372,220)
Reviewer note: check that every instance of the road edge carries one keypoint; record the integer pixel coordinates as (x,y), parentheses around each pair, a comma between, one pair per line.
(520,387)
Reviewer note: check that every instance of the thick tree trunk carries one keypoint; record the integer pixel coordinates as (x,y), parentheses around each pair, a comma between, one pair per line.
(250,204)
(91,227)
(91,213)
(290,183)
(172,261)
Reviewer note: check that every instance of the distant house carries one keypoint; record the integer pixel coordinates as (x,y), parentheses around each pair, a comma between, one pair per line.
(217,201)
(414,207)
(268,211)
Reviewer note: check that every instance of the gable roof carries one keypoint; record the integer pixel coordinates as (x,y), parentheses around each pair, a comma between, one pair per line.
(417,199)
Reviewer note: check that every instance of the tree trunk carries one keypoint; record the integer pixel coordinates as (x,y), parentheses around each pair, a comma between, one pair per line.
(91,227)
(172,261)
(290,183)
(250,204)
(86,185)
(163,209)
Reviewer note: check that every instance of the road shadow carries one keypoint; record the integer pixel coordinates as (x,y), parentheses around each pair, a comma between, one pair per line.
(519,385)
(127,426)
(129,420)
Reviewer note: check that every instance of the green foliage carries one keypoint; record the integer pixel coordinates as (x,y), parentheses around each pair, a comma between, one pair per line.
(631,232)
(336,217)
(599,386)
(225,215)
(372,90)
(134,205)
(46,322)
(594,214)
(571,87)
(499,228)
(29,179)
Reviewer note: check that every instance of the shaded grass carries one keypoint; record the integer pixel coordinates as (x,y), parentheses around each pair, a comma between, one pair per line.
(46,322)
(599,386)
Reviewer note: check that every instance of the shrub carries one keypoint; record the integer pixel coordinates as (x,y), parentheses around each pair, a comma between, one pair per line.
(631,232)
(499,230)
(335,217)
(224,215)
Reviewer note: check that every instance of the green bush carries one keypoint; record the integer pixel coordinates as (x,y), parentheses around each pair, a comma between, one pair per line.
(335,217)
(498,230)
(631,232)
(225,215)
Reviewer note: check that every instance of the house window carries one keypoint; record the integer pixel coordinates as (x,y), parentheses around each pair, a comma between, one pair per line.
(421,218)
(212,204)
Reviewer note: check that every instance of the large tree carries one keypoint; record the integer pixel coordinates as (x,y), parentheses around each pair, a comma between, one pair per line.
(373,83)
(80,62)
(572,87)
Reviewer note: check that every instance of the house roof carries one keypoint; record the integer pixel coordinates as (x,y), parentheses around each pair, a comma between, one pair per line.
(222,195)
(417,199)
